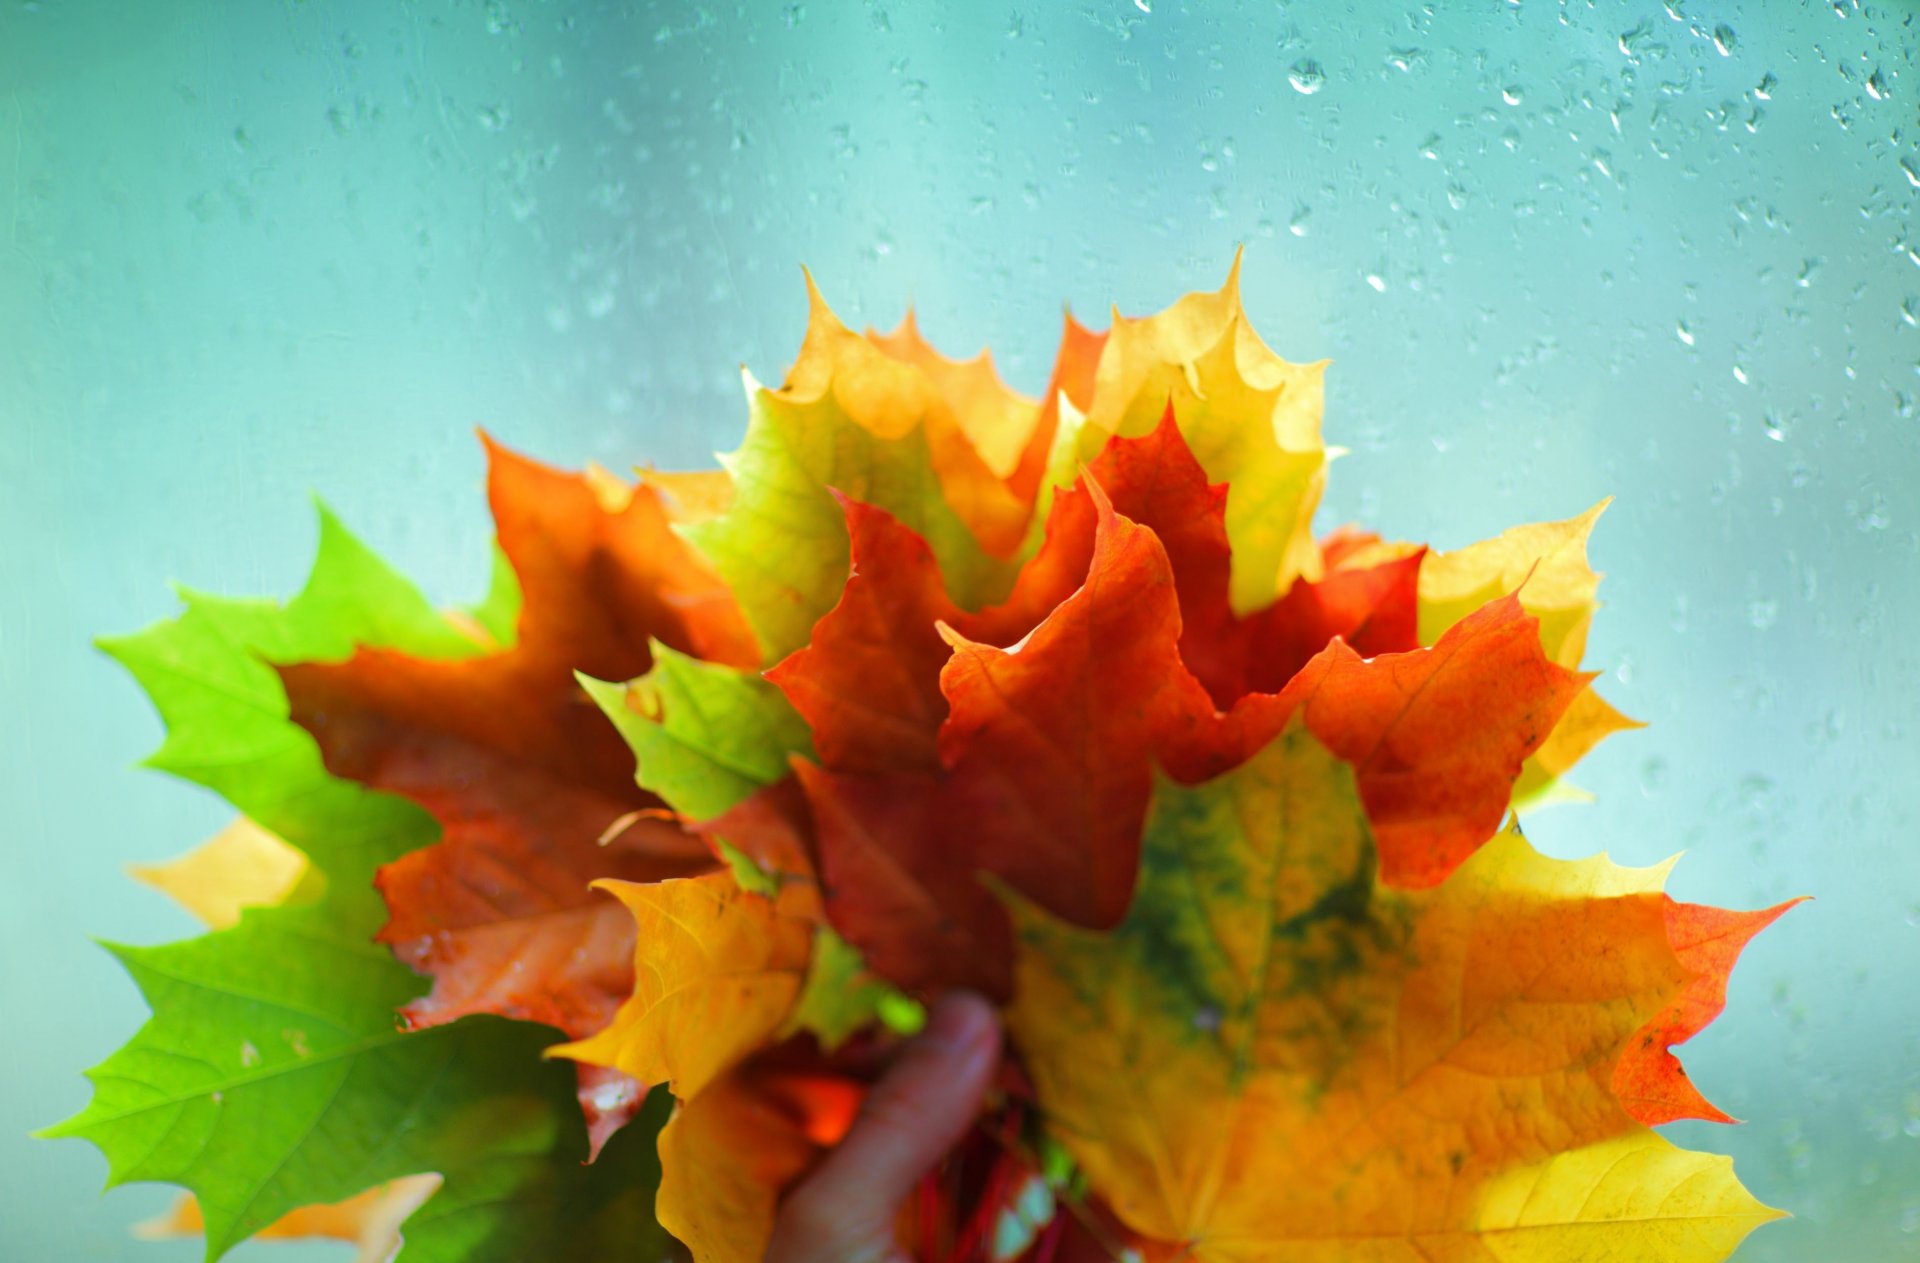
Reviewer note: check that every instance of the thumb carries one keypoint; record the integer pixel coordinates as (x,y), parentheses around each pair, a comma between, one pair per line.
(844,1212)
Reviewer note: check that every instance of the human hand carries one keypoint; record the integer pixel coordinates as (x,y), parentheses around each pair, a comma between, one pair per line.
(844,1212)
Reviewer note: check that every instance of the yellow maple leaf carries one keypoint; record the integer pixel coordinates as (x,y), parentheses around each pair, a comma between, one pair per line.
(1251,418)
(242,866)
(725,1156)
(370,1220)
(717,970)
(1277,1056)
(997,421)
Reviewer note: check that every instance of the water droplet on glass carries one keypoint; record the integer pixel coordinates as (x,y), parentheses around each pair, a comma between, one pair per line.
(1740,374)
(1877,85)
(1723,39)
(1683,331)
(1143,6)
(1871,515)
(1762,613)
(1306,76)
(1298,224)
(1913,172)
(1764,89)
(493,117)
(1512,95)
(1771,423)
(1378,282)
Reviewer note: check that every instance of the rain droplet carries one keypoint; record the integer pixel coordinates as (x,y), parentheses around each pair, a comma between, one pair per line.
(1298,224)
(1378,282)
(1683,331)
(1740,374)
(1723,39)
(1143,6)
(1872,515)
(1306,76)
(1775,430)
(1913,172)
(1877,85)
(1512,95)
(1764,89)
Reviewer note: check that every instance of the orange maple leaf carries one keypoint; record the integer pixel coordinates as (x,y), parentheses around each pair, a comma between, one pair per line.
(520,769)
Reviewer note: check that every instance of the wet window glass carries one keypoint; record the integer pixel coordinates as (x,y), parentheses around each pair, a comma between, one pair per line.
(1555,251)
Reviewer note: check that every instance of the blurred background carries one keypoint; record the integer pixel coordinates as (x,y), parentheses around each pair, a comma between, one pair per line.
(1557,251)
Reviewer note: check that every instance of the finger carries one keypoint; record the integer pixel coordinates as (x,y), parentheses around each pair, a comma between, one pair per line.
(918,1111)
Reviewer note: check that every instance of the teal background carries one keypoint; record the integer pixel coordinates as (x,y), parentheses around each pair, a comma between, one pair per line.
(1557,251)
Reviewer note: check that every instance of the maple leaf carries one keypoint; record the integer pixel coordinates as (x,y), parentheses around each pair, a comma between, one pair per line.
(369,1220)
(717,970)
(524,776)
(270,1076)
(855,419)
(727,1154)
(1277,1053)
(242,866)
(245,866)
(1649,1080)
(703,736)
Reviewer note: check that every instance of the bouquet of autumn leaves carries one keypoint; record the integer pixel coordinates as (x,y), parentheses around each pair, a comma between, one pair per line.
(583,917)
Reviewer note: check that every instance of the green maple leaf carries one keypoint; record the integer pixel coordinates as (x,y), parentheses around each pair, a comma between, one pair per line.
(782,546)
(704,736)
(272,1074)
